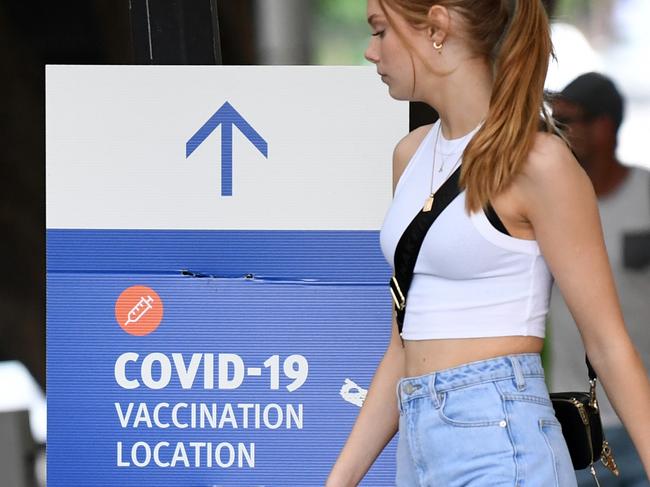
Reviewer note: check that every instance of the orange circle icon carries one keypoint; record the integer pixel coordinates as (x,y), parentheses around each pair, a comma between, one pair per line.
(139,310)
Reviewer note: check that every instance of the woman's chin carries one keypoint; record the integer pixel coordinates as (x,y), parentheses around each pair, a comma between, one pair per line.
(397,94)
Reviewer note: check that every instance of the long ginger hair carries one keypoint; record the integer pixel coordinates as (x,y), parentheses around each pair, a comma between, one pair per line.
(514,35)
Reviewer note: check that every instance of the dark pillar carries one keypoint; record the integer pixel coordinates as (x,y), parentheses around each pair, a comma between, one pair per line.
(175,32)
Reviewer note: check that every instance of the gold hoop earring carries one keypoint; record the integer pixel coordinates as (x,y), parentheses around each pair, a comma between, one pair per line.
(437,47)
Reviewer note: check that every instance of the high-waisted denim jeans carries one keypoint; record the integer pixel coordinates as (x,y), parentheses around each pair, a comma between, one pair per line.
(488,423)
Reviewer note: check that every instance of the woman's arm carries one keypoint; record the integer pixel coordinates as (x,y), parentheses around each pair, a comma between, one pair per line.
(377,421)
(562,208)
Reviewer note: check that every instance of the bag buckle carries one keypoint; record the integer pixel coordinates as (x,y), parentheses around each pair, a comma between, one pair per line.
(607,459)
(593,402)
(396,292)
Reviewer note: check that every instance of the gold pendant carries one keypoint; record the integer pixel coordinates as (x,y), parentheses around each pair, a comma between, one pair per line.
(428,204)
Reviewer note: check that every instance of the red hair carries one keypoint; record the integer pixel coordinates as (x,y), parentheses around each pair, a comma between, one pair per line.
(514,36)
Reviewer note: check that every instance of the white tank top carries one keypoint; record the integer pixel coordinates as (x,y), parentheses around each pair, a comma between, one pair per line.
(470,279)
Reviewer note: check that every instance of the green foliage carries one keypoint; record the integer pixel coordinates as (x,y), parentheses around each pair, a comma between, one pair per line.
(347,11)
(575,8)
(341,33)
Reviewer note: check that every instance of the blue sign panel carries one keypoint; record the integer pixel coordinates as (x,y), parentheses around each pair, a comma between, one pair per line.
(239,380)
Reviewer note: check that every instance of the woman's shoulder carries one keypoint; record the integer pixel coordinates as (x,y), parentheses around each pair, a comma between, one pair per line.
(549,160)
(552,174)
(406,148)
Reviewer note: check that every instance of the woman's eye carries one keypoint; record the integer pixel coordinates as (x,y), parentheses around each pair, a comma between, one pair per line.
(380,33)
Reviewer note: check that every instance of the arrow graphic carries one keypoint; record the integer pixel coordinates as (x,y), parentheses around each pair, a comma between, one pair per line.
(226,116)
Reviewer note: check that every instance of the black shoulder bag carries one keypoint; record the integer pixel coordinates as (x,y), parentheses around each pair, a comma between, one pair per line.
(577,412)
(579,416)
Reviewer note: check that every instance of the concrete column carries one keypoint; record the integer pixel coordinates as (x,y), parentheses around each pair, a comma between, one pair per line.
(283,31)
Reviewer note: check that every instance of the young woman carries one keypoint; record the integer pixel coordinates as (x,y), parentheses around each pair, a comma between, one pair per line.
(472,407)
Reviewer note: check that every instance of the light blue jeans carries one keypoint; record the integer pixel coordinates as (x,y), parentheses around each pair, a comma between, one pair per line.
(488,423)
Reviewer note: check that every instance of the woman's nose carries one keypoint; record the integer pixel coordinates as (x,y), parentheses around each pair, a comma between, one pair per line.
(370,55)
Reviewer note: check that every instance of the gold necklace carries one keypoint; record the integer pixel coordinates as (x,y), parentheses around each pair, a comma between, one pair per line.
(428,203)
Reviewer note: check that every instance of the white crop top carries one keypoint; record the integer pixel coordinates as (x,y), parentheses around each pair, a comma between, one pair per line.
(470,279)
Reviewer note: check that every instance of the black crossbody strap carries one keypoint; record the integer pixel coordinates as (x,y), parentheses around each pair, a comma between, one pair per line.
(592,372)
(408,247)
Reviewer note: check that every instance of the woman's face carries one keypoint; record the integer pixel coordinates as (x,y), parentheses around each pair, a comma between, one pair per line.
(388,53)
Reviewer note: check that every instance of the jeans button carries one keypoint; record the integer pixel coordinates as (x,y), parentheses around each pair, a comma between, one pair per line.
(409,388)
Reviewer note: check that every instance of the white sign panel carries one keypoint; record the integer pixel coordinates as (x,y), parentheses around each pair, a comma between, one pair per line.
(219,147)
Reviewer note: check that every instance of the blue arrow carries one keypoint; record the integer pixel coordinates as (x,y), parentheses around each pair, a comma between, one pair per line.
(227,116)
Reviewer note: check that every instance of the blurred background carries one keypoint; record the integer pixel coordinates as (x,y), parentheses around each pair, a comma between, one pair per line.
(610,36)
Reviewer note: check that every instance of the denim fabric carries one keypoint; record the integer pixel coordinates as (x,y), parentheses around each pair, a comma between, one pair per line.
(488,423)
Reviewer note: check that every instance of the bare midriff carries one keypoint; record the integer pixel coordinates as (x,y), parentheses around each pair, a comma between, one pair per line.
(426,356)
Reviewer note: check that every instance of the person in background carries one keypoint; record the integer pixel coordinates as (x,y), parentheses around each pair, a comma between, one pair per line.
(591,110)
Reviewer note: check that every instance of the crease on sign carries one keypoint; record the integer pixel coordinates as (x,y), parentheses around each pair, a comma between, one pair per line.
(203,275)
(249,276)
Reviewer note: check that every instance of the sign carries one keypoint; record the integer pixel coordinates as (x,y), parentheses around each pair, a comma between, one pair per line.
(216,295)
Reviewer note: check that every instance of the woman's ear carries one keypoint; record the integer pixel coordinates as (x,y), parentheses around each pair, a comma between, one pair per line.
(438,23)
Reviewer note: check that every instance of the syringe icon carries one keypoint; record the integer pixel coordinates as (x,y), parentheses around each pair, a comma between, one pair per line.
(139,310)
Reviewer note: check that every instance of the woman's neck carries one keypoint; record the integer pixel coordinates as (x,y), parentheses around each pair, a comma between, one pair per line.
(462,99)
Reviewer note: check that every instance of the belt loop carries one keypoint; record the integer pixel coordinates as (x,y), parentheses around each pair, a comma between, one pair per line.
(399,396)
(519,376)
(432,390)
